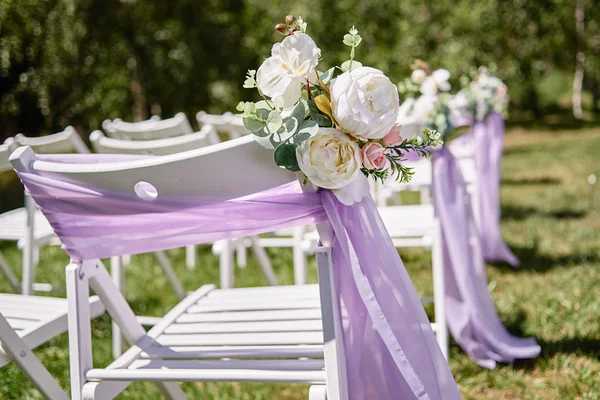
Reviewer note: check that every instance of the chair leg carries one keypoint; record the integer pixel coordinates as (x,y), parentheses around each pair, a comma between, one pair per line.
(300,263)
(29,363)
(226,264)
(190,257)
(439,292)
(118,276)
(241,253)
(167,268)
(28,251)
(171,390)
(317,392)
(6,271)
(263,261)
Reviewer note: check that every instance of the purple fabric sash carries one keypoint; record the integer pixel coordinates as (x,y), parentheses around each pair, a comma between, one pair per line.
(489,140)
(471,314)
(390,349)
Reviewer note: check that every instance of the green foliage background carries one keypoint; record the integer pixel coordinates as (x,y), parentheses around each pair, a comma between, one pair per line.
(79,62)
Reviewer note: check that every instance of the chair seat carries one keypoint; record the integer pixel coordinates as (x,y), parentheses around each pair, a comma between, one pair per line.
(271,334)
(37,319)
(13,226)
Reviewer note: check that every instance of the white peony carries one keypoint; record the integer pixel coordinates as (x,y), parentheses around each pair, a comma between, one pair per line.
(418,76)
(331,160)
(291,63)
(364,103)
(436,82)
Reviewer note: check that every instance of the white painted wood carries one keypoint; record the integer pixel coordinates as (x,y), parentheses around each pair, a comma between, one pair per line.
(118,275)
(246,327)
(263,261)
(167,268)
(199,375)
(190,257)
(299,256)
(254,305)
(148,130)
(439,291)
(67,141)
(265,365)
(227,124)
(255,352)
(159,147)
(28,250)
(317,392)
(9,275)
(29,363)
(226,269)
(241,316)
(335,364)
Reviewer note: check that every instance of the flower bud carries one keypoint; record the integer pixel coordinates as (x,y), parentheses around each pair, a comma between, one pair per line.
(290,19)
(281,28)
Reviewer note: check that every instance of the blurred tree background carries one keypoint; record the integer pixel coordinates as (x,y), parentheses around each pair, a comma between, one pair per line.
(78,62)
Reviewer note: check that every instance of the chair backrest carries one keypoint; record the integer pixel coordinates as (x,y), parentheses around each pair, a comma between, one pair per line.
(151,129)
(158,147)
(5,150)
(67,141)
(237,168)
(228,124)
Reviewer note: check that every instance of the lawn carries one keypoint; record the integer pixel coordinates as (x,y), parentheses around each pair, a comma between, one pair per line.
(551,220)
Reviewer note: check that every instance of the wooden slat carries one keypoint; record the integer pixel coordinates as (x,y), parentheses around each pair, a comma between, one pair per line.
(198,352)
(264,365)
(186,375)
(246,327)
(254,306)
(20,324)
(266,290)
(240,316)
(235,339)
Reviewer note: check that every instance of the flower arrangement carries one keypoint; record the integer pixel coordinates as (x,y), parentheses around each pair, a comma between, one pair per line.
(483,94)
(336,127)
(432,106)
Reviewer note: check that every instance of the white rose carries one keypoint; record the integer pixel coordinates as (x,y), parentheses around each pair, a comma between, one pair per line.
(436,82)
(418,76)
(330,159)
(291,63)
(423,107)
(364,103)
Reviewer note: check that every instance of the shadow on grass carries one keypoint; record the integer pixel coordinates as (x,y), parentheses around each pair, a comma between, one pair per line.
(531,181)
(517,213)
(533,260)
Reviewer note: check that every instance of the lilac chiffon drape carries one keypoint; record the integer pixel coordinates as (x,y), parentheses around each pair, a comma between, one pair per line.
(390,349)
(471,314)
(488,136)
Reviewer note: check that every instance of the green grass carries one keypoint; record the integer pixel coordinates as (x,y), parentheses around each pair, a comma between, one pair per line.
(550,219)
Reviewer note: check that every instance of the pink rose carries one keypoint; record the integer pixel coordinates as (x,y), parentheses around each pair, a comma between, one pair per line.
(373,155)
(393,138)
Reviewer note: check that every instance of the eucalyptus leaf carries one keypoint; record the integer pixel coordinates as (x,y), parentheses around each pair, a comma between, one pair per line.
(347,64)
(274,121)
(285,156)
(253,125)
(299,111)
(310,127)
(327,75)
(301,137)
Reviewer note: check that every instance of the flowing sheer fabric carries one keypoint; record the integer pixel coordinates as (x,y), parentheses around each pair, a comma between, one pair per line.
(471,314)
(390,349)
(489,138)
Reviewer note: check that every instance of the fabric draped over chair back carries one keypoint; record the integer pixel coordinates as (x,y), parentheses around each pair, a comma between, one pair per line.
(390,349)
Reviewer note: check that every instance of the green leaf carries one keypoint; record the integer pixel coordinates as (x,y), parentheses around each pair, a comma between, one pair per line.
(310,127)
(285,156)
(299,111)
(253,125)
(274,122)
(346,65)
(291,125)
(327,75)
(348,41)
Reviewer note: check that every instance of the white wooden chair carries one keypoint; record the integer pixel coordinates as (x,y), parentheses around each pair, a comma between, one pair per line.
(27,225)
(27,322)
(227,124)
(151,129)
(270,334)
